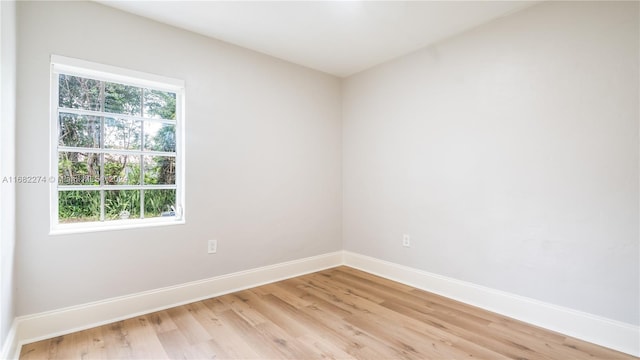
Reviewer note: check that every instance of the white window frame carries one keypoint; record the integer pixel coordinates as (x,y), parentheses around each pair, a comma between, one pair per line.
(86,69)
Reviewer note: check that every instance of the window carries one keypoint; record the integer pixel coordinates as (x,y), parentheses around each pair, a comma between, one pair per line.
(116,147)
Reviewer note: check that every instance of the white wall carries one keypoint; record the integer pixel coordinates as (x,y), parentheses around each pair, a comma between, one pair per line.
(509,154)
(7,164)
(263,159)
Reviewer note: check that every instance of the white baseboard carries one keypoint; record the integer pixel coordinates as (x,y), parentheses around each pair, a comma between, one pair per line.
(609,333)
(598,330)
(10,345)
(58,322)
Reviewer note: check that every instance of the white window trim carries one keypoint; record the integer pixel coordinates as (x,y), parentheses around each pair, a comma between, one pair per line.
(83,68)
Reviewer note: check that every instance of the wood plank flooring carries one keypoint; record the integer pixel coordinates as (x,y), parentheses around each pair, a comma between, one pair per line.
(340,313)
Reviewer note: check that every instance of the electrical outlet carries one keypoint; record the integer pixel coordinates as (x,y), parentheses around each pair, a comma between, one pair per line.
(212,246)
(406,240)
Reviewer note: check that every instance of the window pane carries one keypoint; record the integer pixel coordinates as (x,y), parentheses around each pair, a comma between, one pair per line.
(159,170)
(159,104)
(78,130)
(116,146)
(78,93)
(159,203)
(78,206)
(122,99)
(121,169)
(122,134)
(121,204)
(159,136)
(76,168)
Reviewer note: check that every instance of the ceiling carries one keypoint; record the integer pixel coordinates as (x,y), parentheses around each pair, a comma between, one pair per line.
(336,37)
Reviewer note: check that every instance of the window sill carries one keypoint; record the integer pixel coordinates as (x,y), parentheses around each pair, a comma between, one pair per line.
(114,225)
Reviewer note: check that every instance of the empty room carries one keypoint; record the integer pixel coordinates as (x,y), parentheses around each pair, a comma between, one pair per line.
(319,179)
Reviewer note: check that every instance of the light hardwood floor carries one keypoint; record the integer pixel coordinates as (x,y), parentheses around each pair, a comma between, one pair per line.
(340,313)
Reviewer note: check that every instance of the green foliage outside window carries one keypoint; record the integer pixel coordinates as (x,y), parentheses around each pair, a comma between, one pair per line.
(80,133)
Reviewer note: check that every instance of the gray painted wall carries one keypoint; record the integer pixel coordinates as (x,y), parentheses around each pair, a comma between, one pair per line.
(7,164)
(509,153)
(263,155)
